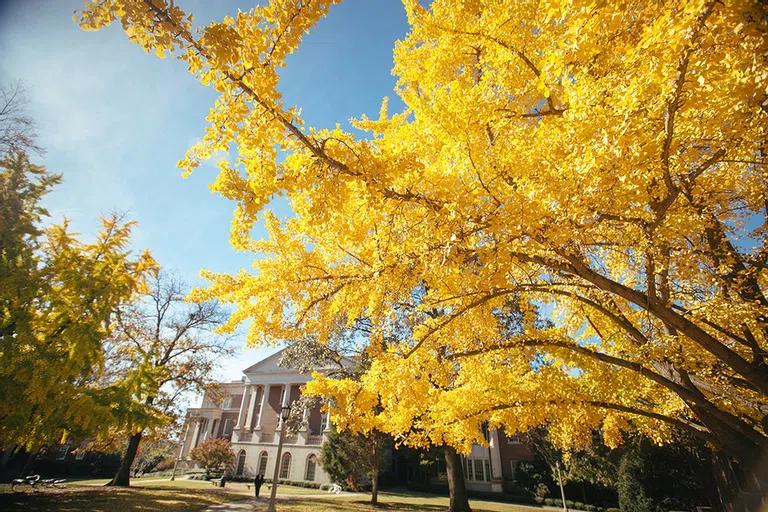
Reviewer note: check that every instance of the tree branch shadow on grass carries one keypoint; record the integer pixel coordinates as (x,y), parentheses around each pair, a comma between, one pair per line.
(110,499)
(319,504)
(399,506)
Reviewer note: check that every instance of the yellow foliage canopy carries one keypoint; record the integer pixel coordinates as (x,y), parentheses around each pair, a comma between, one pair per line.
(605,158)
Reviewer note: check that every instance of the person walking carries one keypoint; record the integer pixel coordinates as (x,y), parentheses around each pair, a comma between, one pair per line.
(257,483)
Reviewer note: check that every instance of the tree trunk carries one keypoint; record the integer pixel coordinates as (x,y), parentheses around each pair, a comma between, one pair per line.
(123,476)
(375,487)
(739,490)
(375,471)
(459,501)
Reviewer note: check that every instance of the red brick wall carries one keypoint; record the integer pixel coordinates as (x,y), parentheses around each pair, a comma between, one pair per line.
(521,451)
(237,401)
(315,420)
(269,423)
(220,424)
(295,393)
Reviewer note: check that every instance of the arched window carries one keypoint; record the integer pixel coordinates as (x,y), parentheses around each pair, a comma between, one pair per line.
(285,467)
(240,463)
(311,467)
(263,458)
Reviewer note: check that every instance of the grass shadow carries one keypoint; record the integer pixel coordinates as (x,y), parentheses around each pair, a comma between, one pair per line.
(111,499)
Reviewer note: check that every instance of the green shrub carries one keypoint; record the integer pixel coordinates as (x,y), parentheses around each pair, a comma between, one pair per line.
(539,500)
(569,504)
(590,508)
(633,473)
(542,490)
(612,510)
(549,501)
(578,505)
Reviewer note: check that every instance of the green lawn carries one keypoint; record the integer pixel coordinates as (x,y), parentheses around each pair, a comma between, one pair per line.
(235,487)
(239,487)
(397,501)
(193,495)
(394,502)
(77,498)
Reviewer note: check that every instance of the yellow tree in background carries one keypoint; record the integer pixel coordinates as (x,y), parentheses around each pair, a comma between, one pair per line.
(605,158)
(58,300)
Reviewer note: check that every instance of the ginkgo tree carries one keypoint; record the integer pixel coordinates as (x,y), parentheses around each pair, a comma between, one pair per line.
(58,299)
(605,158)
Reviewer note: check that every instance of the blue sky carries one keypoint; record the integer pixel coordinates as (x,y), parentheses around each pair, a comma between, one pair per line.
(115,120)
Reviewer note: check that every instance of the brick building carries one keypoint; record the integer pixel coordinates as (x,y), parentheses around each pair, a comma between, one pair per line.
(249,416)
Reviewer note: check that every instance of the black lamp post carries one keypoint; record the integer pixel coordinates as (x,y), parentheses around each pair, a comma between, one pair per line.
(285,413)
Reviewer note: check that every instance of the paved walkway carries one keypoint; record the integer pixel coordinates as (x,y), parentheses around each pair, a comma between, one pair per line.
(247,505)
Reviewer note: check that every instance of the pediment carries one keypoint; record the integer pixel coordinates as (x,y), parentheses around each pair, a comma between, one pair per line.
(270,365)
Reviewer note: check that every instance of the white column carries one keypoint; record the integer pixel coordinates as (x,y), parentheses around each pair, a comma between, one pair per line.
(251,409)
(263,409)
(197,433)
(214,425)
(304,430)
(495,461)
(325,430)
(185,439)
(327,421)
(243,404)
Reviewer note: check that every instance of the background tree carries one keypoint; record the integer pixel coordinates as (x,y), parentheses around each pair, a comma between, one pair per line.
(213,454)
(17,129)
(154,455)
(161,349)
(632,473)
(338,460)
(58,299)
(349,459)
(608,164)
(671,477)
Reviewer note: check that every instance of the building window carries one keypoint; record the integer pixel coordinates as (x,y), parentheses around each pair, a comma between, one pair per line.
(80,455)
(311,467)
(513,440)
(263,462)
(323,422)
(478,470)
(285,466)
(227,427)
(227,402)
(63,451)
(513,468)
(240,463)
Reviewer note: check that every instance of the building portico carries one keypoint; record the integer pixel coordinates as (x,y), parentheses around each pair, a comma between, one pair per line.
(249,416)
